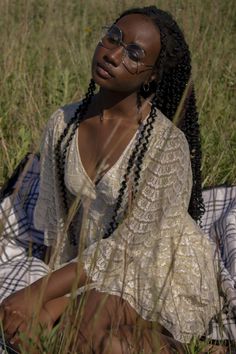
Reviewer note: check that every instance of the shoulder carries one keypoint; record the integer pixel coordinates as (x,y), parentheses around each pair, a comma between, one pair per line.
(169,133)
(69,110)
(62,116)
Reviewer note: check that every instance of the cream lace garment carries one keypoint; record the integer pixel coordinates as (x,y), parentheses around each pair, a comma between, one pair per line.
(157,259)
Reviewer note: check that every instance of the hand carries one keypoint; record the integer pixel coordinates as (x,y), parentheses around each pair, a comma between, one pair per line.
(17,307)
(27,336)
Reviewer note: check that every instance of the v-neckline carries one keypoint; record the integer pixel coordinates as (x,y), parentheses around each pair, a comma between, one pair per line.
(107,172)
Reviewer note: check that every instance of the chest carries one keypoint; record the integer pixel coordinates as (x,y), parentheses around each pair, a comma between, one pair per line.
(101,143)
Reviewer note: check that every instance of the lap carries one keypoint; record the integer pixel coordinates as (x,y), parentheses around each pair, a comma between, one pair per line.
(105,320)
(111,310)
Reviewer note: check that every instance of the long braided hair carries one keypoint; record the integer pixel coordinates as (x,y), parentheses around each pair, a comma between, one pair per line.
(173,68)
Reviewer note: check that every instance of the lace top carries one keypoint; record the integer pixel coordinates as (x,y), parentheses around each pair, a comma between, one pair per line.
(157,259)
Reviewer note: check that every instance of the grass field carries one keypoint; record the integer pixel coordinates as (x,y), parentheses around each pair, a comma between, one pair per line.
(46,49)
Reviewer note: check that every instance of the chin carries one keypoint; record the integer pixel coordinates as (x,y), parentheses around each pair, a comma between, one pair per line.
(102,82)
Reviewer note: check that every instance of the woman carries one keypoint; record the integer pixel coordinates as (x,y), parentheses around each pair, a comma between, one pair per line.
(115,186)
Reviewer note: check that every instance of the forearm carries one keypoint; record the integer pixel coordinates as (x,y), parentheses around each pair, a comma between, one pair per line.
(61,282)
(56,307)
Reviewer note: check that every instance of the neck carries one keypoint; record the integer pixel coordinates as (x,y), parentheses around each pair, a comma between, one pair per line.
(118,105)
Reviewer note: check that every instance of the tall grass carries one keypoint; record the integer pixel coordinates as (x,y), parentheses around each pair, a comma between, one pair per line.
(46,50)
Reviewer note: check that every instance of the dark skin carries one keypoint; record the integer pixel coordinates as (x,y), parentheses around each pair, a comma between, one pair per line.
(117,98)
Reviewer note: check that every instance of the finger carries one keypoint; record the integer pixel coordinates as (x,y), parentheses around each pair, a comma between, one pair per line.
(25,338)
(12,323)
(15,341)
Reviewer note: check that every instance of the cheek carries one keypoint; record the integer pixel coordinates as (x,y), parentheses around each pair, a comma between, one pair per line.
(123,81)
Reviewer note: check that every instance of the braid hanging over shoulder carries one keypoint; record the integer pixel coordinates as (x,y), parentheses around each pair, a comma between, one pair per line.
(66,137)
(173,69)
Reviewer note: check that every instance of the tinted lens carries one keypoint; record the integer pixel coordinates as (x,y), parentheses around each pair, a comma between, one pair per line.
(131,65)
(134,55)
(112,37)
(134,52)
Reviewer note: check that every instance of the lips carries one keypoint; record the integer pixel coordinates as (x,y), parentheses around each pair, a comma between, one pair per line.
(104,71)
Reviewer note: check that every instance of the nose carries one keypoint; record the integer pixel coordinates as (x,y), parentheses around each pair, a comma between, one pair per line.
(115,56)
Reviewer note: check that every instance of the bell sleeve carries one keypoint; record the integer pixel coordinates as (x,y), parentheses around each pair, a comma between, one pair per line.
(47,214)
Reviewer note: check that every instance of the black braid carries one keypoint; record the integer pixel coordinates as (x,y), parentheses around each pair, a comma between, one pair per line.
(145,141)
(191,128)
(135,159)
(60,154)
(114,223)
(174,72)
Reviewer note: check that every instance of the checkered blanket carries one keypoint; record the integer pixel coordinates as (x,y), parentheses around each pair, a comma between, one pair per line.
(219,222)
(21,245)
(20,238)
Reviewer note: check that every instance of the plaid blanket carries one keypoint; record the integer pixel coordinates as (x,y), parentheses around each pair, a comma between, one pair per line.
(21,245)
(20,239)
(219,222)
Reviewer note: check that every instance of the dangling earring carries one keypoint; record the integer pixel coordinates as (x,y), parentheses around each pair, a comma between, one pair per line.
(146,87)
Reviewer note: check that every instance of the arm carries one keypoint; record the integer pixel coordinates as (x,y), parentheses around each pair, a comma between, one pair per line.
(46,293)
(60,282)
(47,210)
(55,308)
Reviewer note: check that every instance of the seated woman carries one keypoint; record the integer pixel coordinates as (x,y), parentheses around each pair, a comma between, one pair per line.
(117,188)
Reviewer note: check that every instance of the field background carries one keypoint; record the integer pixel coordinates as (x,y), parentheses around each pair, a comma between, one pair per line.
(46,49)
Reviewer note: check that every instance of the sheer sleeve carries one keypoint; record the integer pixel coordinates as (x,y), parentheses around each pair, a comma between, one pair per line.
(47,213)
(158,259)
